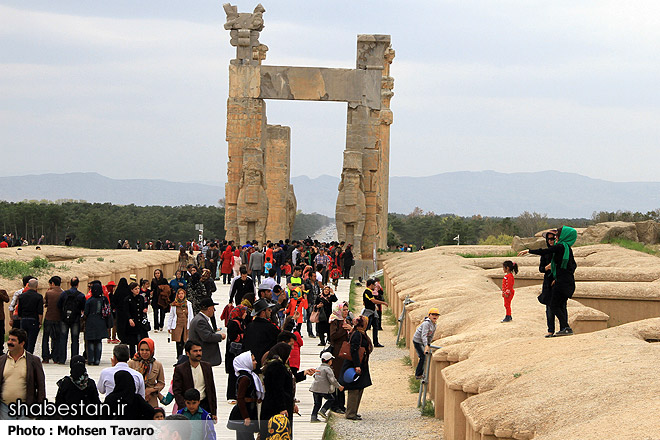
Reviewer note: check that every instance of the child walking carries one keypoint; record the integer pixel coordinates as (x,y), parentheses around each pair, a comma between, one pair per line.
(323,387)
(509,268)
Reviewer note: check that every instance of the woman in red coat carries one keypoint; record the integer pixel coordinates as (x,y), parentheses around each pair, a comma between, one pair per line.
(226,269)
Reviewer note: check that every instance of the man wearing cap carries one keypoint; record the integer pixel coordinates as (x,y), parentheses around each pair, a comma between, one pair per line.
(423,338)
(261,334)
(202,330)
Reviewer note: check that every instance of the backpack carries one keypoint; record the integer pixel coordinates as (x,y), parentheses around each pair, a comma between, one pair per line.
(70,312)
(105,310)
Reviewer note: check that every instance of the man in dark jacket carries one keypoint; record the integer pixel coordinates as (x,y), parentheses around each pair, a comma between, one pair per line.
(261,334)
(50,348)
(195,373)
(240,286)
(31,312)
(25,381)
(202,330)
(211,261)
(70,313)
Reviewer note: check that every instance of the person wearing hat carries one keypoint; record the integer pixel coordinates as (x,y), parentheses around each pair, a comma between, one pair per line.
(260,334)
(423,338)
(202,330)
(324,385)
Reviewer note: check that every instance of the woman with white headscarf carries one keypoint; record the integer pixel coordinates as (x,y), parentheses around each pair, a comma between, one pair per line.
(249,391)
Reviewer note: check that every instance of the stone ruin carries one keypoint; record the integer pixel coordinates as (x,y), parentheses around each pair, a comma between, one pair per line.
(259,199)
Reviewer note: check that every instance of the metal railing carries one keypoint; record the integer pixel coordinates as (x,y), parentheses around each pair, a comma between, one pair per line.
(424,383)
(402,317)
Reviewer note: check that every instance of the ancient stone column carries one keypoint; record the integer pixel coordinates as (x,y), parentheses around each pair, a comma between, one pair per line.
(281,201)
(385,118)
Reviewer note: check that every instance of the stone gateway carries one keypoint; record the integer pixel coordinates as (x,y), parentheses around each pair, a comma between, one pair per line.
(259,199)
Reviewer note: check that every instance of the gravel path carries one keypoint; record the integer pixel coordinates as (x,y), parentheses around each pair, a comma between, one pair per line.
(388,408)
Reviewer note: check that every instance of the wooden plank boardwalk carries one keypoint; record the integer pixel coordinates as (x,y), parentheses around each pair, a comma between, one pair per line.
(166,354)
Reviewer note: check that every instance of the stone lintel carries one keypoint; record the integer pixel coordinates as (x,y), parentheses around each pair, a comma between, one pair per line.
(321,84)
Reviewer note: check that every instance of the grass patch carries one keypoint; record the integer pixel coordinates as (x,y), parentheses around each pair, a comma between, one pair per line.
(100,259)
(329,433)
(414,384)
(112,261)
(401,343)
(17,269)
(428,410)
(390,319)
(80,260)
(469,255)
(407,361)
(632,245)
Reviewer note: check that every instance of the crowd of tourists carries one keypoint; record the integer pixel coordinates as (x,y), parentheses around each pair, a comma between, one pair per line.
(274,290)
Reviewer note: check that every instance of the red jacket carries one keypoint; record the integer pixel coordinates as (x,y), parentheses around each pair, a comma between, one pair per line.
(227,261)
(507,285)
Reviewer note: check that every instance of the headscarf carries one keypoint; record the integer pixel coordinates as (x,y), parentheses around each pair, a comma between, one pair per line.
(243,362)
(124,390)
(78,374)
(206,274)
(237,253)
(281,350)
(97,290)
(567,237)
(337,312)
(237,312)
(122,291)
(176,301)
(246,302)
(145,364)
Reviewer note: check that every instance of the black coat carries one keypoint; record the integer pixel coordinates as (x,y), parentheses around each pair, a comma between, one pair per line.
(135,305)
(564,286)
(235,333)
(69,394)
(96,326)
(278,383)
(260,336)
(546,290)
(155,291)
(357,340)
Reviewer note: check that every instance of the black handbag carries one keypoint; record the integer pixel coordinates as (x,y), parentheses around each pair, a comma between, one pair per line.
(236,348)
(146,325)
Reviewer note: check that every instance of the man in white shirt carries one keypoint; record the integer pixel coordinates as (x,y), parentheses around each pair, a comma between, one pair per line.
(120,356)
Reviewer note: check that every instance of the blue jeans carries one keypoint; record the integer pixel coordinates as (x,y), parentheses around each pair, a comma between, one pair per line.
(94,348)
(75,339)
(50,349)
(318,400)
(419,348)
(308,313)
(31,326)
(256,275)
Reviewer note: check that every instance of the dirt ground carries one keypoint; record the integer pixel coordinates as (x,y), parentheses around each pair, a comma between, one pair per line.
(388,408)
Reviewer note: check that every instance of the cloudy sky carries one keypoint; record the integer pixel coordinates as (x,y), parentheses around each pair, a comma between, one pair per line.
(138,89)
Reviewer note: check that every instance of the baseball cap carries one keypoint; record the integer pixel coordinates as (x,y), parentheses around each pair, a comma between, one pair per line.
(434,311)
(326,356)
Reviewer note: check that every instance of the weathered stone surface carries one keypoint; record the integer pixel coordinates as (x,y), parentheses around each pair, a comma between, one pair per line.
(320,84)
(647,232)
(281,200)
(608,230)
(520,244)
(260,202)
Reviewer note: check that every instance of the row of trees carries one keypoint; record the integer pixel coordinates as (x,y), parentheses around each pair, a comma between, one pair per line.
(429,229)
(100,225)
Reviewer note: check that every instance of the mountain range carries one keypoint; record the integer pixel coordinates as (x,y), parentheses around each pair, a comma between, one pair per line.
(465,193)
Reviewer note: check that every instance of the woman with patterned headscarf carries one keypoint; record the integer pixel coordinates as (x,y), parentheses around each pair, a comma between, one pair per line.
(235,334)
(152,370)
(76,389)
(340,327)
(562,268)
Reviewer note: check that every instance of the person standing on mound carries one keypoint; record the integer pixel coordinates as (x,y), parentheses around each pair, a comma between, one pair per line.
(509,268)
(562,267)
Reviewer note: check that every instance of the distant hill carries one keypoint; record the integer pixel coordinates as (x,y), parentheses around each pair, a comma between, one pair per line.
(560,195)
(93,187)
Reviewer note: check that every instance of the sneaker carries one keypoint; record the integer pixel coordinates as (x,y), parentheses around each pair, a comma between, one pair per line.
(565,332)
(379,345)
(231,402)
(314,420)
(323,414)
(320,344)
(550,335)
(339,411)
(507,318)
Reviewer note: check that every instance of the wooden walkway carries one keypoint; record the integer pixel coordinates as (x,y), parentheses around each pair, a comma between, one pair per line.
(166,354)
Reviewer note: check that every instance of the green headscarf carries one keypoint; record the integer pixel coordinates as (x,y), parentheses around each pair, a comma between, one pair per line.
(567,237)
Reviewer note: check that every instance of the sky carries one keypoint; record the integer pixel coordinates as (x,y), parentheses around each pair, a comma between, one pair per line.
(139,89)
